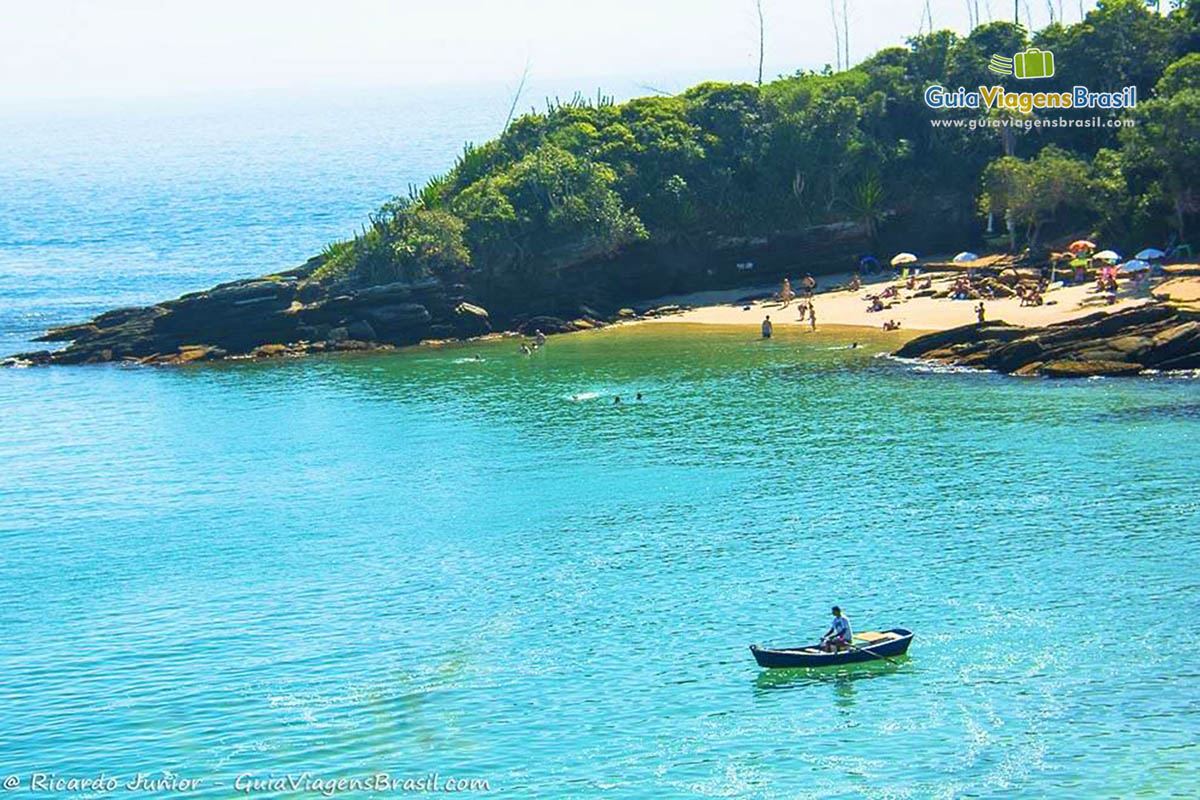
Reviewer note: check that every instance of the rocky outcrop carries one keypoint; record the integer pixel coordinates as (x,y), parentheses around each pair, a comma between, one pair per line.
(273,316)
(1161,337)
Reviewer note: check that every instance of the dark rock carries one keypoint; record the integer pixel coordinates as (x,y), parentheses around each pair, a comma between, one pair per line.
(270,350)
(1188,361)
(352,344)
(1009,356)
(1088,369)
(397,317)
(471,320)
(361,329)
(1123,343)
(547,325)
(69,333)
(1173,343)
(38,358)
(1000,331)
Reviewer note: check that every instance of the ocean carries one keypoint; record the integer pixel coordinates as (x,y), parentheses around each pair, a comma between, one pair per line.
(473,564)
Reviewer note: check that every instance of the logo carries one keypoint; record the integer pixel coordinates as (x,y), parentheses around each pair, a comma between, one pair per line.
(1032,63)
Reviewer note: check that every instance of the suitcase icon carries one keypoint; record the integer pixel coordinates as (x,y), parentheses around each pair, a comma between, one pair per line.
(1033,63)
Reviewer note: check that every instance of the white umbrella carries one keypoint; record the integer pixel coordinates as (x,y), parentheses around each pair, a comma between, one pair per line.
(903,258)
(966,256)
(1150,254)
(1107,255)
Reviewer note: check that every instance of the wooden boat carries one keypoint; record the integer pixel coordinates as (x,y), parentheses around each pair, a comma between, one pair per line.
(868,646)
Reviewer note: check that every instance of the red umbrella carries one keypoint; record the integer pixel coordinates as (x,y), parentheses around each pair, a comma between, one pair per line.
(1080,245)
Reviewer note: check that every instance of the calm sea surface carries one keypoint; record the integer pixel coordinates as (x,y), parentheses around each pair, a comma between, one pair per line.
(470,562)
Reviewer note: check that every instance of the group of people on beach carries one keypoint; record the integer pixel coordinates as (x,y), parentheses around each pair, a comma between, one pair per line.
(786,295)
(808,285)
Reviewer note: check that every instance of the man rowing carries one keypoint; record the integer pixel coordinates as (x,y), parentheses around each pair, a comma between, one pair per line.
(839,634)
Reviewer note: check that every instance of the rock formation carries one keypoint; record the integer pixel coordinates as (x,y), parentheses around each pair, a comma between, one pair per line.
(1160,337)
(262,317)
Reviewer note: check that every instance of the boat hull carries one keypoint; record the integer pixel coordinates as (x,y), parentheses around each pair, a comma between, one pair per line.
(808,656)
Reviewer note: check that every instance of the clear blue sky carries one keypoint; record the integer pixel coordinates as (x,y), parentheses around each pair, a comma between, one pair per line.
(76,48)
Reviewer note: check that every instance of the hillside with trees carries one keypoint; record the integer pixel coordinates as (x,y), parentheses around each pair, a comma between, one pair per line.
(811,168)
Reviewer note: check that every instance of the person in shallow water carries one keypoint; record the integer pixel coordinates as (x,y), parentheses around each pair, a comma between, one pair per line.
(839,633)
(767,327)
(539,337)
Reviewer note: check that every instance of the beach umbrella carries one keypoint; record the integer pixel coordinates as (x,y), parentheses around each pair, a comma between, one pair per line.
(965,256)
(1150,254)
(903,258)
(1136,265)
(1079,245)
(1108,255)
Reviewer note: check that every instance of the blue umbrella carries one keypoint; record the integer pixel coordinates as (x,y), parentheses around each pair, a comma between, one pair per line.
(1151,254)
(1136,265)
(966,256)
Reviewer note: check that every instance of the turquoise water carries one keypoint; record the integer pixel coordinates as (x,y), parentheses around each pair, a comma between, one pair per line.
(427,563)
(421,562)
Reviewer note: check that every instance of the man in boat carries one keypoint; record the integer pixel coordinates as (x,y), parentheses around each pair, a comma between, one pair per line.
(839,634)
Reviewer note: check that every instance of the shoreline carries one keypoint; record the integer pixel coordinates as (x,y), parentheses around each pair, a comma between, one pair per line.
(917,311)
(911,308)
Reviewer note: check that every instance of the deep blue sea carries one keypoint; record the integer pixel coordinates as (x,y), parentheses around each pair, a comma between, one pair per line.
(468,562)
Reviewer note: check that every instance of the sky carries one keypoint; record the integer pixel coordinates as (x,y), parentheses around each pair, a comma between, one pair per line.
(64,49)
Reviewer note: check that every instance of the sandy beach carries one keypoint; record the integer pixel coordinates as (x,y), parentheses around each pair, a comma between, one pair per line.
(837,305)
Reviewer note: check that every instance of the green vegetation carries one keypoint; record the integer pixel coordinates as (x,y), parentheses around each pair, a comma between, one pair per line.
(586,180)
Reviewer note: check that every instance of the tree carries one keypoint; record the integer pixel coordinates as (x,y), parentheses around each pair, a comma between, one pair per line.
(1031,192)
(1164,147)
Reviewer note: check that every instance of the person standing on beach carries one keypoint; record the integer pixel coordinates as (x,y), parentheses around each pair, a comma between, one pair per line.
(979,312)
(812,315)
(785,292)
(767,327)
(810,283)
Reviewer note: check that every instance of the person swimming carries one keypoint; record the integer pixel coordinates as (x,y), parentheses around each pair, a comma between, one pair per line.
(767,327)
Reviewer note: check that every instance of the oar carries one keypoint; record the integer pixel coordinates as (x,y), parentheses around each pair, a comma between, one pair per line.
(868,652)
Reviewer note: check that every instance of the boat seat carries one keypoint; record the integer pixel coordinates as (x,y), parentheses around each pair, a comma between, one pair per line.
(875,636)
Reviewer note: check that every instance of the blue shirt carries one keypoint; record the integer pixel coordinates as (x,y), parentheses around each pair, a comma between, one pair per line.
(841,627)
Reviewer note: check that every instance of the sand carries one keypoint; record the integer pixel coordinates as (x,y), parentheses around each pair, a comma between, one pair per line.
(841,307)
